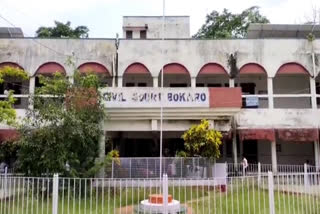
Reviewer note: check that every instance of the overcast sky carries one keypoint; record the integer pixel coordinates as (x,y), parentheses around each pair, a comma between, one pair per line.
(104,17)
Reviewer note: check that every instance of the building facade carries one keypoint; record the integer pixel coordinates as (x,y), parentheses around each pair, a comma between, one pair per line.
(262,94)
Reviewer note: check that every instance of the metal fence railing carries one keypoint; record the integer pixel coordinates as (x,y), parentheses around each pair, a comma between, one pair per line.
(265,194)
(150,167)
(195,167)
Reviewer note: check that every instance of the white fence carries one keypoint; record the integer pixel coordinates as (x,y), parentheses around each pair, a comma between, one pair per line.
(296,193)
(176,167)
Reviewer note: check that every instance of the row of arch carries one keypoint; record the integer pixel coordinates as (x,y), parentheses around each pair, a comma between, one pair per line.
(51,67)
(215,68)
(172,68)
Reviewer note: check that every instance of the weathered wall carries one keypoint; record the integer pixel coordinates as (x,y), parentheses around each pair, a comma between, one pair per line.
(175,26)
(194,54)
(291,153)
(278,118)
(32,53)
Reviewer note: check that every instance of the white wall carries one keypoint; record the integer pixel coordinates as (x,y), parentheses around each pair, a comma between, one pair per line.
(175,26)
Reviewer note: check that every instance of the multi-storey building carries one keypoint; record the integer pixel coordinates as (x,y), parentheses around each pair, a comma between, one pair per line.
(262,92)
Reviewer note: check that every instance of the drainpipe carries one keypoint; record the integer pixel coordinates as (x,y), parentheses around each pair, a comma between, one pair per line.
(117,44)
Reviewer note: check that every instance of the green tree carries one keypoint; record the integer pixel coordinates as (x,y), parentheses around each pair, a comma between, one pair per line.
(63,128)
(227,25)
(7,112)
(202,141)
(61,30)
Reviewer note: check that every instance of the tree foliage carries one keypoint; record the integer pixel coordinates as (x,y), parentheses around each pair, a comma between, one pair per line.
(202,141)
(227,25)
(7,112)
(61,30)
(63,128)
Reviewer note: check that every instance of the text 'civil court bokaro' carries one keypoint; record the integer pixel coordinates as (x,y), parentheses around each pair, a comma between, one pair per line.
(154,97)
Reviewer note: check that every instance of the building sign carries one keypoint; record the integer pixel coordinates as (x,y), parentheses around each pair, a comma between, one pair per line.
(252,101)
(152,97)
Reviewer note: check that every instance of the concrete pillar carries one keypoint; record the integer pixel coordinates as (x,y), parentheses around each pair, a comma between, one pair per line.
(231,83)
(313,93)
(155,82)
(119,82)
(32,86)
(270,92)
(71,79)
(102,148)
(193,82)
(234,146)
(274,156)
(317,154)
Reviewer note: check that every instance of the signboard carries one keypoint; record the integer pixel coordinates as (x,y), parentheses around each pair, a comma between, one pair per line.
(148,97)
(252,101)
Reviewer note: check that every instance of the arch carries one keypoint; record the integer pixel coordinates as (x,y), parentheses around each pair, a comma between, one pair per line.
(137,68)
(175,75)
(175,68)
(292,68)
(252,68)
(94,67)
(11,64)
(213,68)
(50,68)
(137,75)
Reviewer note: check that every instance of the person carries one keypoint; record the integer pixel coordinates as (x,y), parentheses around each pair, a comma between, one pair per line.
(244,165)
(3,166)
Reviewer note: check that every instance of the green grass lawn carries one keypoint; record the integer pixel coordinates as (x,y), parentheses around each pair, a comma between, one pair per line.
(201,200)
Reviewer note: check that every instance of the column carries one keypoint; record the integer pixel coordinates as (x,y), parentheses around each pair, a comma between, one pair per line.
(119,82)
(193,82)
(32,86)
(274,156)
(71,79)
(155,82)
(231,83)
(270,92)
(316,154)
(234,146)
(102,152)
(313,93)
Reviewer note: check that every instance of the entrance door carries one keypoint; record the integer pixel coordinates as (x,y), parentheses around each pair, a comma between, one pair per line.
(250,150)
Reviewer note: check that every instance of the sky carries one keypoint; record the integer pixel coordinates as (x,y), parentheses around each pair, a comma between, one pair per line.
(104,17)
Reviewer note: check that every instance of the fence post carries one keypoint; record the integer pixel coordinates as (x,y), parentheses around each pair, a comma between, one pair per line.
(55,193)
(112,168)
(259,173)
(130,167)
(147,168)
(5,183)
(165,193)
(305,175)
(271,192)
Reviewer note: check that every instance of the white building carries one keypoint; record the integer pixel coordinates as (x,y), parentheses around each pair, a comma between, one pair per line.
(262,93)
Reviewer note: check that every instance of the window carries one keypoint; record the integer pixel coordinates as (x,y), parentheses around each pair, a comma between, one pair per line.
(143,34)
(129,84)
(142,84)
(200,85)
(178,85)
(248,88)
(278,148)
(129,34)
(214,85)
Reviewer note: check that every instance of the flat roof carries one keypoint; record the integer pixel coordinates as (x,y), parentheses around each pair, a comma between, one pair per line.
(155,16)
(257,31)
(10,32)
